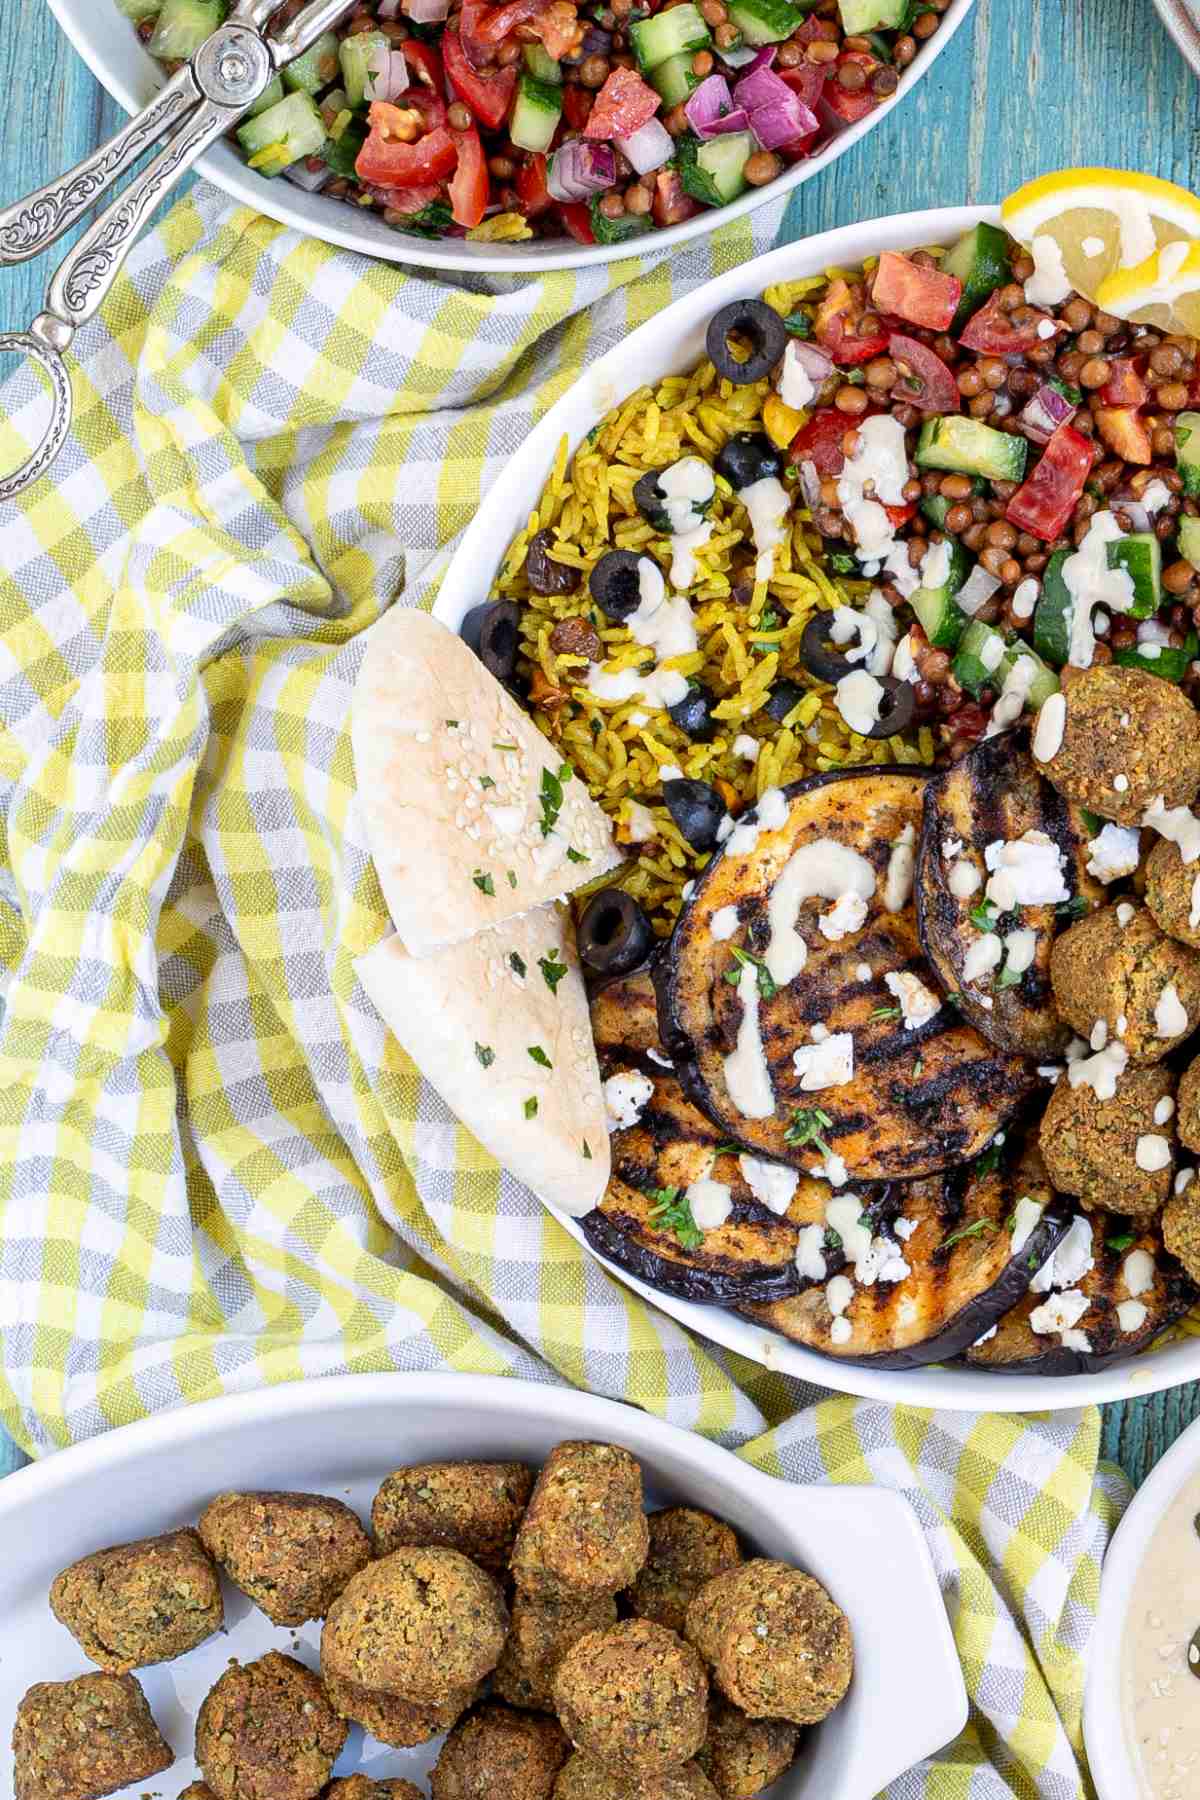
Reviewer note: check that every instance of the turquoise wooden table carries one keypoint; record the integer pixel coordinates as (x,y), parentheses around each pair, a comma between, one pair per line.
(1029,85)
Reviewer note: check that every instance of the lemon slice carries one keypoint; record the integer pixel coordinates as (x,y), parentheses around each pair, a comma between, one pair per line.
(1163,291)
(1098,222)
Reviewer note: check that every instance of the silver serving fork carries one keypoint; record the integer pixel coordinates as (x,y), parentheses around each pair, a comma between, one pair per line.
(197,106)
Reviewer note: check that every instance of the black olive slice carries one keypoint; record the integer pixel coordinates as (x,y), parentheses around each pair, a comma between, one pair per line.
(616,584)
(697,809)
(815,653)
(493,633)
(544,575)
(762,328)
(784,696)
(614,933)
(648,497)
(747,457)
(694,714)
(897,709)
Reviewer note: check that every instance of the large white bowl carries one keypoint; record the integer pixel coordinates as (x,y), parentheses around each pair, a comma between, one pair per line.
(343,1436)
(1182,20)
(669,343)
(110,47)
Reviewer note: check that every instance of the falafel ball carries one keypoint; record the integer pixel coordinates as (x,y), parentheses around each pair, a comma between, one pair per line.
(687,1548)
(1171,891)
(292,1554)
(779,1647)
(472,1507)
(584,1777)
(1117,1155)
(141,1603)
(1119,968)
(197,1790)
(1187,1117)
(635,1696)
(267,1732)
(421,1623)
(743,1756)
(365,1787)
(1181,1227)
(76,1740)
(400,1723)
(1128,739)
(584,1532)
(541,1633)
(499,1754)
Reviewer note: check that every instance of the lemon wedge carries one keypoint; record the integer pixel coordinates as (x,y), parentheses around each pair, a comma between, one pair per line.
(1085,226)
(1163,291)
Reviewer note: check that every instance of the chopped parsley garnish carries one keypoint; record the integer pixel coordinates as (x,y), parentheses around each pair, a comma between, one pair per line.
(953,998)
(552,970)
(577,856)
(984,914)
(485,781)
(833,1239)
(672,1211)
(486,1055)
(767,988)
(967,1231)
(842,563)
(727,1150)
(1074,908)
(452,724)
(502,746)
(531,1107)
(808,1122)
(552,795)
(539,1056)
(886,1012)
(798,324)
(484,882)
(987,1160)
(587,1151)
(517,964)
(512,880)
(1120,1243)
(1009,977)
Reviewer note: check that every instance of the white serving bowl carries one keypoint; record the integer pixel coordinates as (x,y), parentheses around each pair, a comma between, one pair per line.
(1110,1755)
(1182,20)
(110,47)
(342,1436)
(667,344)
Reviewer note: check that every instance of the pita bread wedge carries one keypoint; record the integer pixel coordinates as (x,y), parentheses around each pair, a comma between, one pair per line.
(468,812)
(499,1026)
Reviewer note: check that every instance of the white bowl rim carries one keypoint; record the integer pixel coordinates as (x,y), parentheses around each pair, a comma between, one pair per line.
(1112,1764)
(130,80)
(1184,26)
(958,1388)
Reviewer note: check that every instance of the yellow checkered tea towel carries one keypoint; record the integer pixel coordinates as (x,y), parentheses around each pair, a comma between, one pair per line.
(216,1168)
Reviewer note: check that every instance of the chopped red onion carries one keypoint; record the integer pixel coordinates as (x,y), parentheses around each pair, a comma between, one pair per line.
(1139,518)
(810,483)
(710,110)
(310,179)
(387,75)
(388,9)
(649,147)
(427,12)
(580,168)
(1045,413)
(782,121)
(739,58)
(976,590)
(760,86)
(817,365)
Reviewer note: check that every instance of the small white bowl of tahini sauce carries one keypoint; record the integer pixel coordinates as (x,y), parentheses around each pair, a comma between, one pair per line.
(1142,1703)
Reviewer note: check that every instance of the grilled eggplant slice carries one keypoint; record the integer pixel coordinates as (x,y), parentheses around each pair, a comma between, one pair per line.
(919,1099)
(1016,1349)
(996,791)
(965,1273)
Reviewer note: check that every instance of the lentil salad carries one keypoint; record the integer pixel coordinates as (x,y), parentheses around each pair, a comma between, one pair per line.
(597,120)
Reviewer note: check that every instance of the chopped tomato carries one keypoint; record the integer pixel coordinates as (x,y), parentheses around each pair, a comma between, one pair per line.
(671,205)
(624,104)
(1124,431)
(425,63)
(806,82)
(820,441)
(558,27)
(850,107)
(922,296)
(470,188)
(836,326)
(900,515)
(391,162)
(532,191)
(991,331)
(1043,504)
(488,96)
(577,219)
(577,105)
(407,199)
(925,381)
(492,24)
(1124,386)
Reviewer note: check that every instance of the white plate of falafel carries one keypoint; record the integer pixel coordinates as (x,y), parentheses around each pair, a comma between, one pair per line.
(558,1598)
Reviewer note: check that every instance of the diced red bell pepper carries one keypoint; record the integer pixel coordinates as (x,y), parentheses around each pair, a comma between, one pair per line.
(470,188)
(532,191)
(671,205)
(851,106)
(1043,504)
(425,64)
(922,296)
(929,385)
(1124,431)
(390,162)
(820,441)
(836,326)
(577,105)
(577,220)
(624,104)
(488,96)
(1124,386)
(991,331)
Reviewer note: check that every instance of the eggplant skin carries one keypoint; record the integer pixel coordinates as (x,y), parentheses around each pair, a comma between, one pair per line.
(996,791)
(706,1276)
(1017,1349)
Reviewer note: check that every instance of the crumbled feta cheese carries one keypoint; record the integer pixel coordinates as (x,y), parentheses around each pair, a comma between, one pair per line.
(795,383)
(964,880)
(1027,1216)
(769,1182)
(1070,1261)
(746,747)
(1139,1272)
(772,809)
(862,972)
(1113,852)
(826,1065)
(639,823)
(626,1094)
(1060,1314)
(917,1004)
(710,1201)
(670,772)
(904,1228)
(1025,871)
(1176,823)
(845,916)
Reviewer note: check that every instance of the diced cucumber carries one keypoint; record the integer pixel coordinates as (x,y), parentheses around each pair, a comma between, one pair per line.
(183,26)
(668,34)
(1171,665)
(1189,540)
(766,21)
(1187,450)
(139,10)
(675,79)
(980,262)
(969,448)
(942,619)
(317,68)
(536,112)
(1053,613)
(341,152)
(618,230)
(712,172)
(541,64)
(283,134)
(354,54)
(986,657)
(1140,555)
(859,16)
(271,95)
(936,506)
